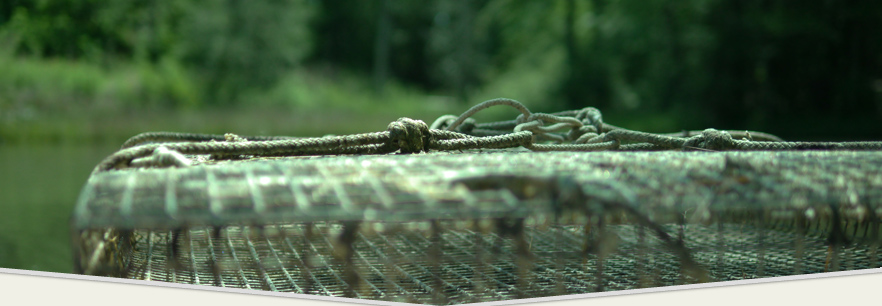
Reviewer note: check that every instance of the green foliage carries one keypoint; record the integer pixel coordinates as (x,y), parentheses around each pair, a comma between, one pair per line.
(320,90)
(812,58)
(59,28)
(238,45)
(150,28)
(32,87)
(725,63)
(232,46)
(346,35)
(459,55)
(650,54)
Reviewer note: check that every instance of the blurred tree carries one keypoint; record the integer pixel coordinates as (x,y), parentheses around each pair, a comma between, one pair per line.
(93,30)
(381,47)
(395,31)
(726,63)
(583,82)
(411,22)
(150,27)
(60,28)
(636,54)
(240,45)
(525,47)
(779,59)
(345,31)
(457,56)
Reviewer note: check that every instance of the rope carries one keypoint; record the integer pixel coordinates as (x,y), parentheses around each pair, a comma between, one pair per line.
(573,130)
(187,137)
(405,135)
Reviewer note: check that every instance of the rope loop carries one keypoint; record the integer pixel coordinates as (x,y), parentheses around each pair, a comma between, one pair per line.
(409,135)
(443,122)
(486,104)
(467,126)
(582,133)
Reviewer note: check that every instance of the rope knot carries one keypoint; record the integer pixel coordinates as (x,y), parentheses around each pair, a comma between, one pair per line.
(591,116)
(712,139)
(409,135)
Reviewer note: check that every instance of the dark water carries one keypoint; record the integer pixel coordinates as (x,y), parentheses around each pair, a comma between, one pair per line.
(39,185)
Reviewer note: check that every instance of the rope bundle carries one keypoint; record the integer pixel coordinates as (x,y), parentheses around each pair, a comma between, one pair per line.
(575,130)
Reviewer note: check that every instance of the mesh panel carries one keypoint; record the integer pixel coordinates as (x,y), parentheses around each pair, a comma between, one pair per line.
(458,228)
(459,265)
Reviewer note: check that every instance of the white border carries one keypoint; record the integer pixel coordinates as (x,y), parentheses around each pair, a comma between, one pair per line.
(828,288)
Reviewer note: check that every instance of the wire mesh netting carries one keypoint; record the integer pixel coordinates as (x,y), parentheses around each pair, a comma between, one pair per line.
(472,226)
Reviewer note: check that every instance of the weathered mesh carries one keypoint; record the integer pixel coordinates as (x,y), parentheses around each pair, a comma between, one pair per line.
(450,228)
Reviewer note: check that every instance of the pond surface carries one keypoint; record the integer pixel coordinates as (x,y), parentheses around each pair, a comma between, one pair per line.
(39,185)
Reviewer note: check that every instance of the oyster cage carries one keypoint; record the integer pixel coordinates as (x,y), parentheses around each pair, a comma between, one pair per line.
(483,225)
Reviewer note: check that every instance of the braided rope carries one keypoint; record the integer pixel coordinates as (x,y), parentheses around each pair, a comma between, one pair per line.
(573,130)
(188,137)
